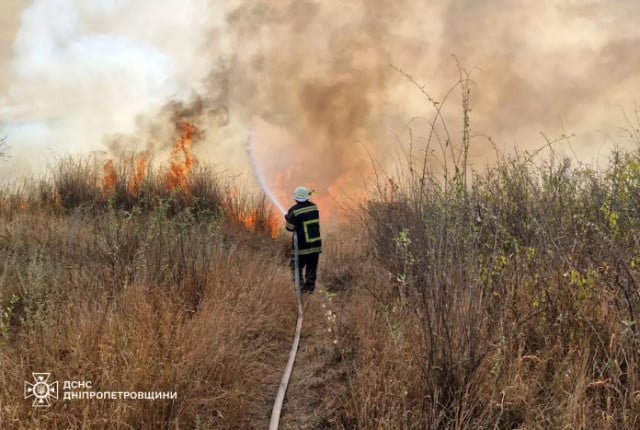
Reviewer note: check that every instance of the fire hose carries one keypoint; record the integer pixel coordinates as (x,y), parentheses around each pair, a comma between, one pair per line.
(284,382)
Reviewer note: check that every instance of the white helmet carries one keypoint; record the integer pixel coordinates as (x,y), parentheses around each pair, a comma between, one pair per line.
(301,194)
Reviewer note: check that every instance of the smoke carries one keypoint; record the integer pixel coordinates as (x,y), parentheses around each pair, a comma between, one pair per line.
(319,71)
(83,71)
(548,64)
(313,78)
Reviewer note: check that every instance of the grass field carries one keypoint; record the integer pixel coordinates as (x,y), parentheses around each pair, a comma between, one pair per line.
(499,300)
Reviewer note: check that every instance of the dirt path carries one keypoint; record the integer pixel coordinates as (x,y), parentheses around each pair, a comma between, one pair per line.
(315,372)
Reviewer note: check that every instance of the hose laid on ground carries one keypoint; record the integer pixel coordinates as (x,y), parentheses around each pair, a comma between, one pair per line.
(284,382)
(277,405)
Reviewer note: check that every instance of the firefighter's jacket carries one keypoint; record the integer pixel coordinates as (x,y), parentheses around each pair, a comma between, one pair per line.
(304,219)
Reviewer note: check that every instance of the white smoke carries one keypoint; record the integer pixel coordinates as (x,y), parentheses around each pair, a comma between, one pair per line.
(82,70)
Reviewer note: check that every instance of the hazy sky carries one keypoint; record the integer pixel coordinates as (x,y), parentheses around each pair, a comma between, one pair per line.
(312,78)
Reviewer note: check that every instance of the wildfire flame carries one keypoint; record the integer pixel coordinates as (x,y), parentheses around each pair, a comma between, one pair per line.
(137,179)
(109,179)
(327,198)
(249,222)
(265,222)
(254,218)
(258,219)
(15,203)
(181,161)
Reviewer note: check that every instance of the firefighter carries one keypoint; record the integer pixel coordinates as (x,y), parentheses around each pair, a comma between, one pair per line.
(304,219)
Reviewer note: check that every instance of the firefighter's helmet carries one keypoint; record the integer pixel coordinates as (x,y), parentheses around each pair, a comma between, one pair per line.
(301,194)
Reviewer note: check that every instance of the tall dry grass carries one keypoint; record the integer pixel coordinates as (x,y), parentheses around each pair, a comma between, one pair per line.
(172,296)
(500,299)
(512,303)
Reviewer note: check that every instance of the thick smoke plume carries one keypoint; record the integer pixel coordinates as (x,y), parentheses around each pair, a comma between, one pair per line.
(314,78)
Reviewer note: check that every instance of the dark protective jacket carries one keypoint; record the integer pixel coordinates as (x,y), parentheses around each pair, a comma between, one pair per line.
(304,219)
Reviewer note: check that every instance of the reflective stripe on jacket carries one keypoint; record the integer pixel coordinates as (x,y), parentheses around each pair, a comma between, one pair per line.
(304,219)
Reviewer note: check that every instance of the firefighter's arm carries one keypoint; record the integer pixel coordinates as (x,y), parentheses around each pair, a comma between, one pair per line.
(290,221)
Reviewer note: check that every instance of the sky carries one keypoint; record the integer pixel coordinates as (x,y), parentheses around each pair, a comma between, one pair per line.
(322,87)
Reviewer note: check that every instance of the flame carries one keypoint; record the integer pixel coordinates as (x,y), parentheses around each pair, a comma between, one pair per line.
(137,179)
(337,185)
(15,203)
(249,221)
(329,198)
(335,199)
(273,222)
(181,161)
(109,179)
(255,221)
(258,219)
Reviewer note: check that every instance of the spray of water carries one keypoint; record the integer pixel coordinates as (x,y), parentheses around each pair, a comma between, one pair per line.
(284,382)
(258,174)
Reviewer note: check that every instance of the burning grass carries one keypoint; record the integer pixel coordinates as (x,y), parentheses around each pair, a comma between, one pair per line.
(110,276)
(181,161)
(141,301)
(511,303)
(138,178)
(132,184)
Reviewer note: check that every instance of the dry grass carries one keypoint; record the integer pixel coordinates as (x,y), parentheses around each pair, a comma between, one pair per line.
(156,298)
(511,303)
